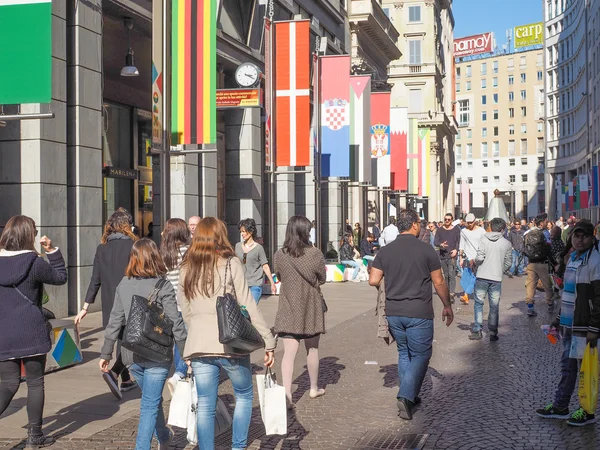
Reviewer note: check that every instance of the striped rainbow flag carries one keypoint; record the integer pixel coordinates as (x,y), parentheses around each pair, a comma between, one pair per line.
(194,70)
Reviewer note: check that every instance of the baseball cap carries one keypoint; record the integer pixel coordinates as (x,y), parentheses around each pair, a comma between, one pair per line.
(585,226)
(470,217)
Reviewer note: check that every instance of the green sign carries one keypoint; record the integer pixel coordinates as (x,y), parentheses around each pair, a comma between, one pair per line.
(25,51)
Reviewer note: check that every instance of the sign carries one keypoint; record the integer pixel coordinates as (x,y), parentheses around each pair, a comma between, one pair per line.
(116,172)
(157,77)
(268,86)
(26,51)
(532,34)
(239,98)
(473,45)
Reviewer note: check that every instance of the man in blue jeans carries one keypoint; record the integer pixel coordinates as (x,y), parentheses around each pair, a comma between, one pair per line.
(410,266)
(494,257)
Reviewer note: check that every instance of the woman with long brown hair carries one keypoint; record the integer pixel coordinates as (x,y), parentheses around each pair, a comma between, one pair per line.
(210,267)
(112,257)
(25,337)
(174,242)
(142,275)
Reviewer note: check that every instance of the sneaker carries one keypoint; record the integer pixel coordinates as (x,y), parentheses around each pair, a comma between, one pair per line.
(476,335)
(111,380)
(128,385)
(172,383)
(404,408)
(493,337)
(531,312)
(550,412)
(464,299)
(580,418)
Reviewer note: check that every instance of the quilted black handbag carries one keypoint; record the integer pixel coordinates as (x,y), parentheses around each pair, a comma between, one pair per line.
(149,333)
(235,330)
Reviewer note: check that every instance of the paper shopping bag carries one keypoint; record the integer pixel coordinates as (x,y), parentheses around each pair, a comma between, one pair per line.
(192,427)
(273,410)
(181,404)
(588,380)
(223,420)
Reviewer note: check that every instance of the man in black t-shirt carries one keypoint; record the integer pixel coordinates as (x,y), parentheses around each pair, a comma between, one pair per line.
(410,266)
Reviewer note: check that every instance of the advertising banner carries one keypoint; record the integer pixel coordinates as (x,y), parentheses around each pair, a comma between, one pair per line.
(239,98)
(399,148)
(473,45)
(531,34)
(157,76)
(335,116)
(380,139)
(26,51)
(360,126)
(194,72)
(268,86)
(292,93)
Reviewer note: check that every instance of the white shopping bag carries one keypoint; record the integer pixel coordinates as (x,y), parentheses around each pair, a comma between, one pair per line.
(181,403)
(192,427)
(272,404)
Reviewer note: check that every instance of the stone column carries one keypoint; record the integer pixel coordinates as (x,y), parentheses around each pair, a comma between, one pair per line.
(185,179)
(84,145)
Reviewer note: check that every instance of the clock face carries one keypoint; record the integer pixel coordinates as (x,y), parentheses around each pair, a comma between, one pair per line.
(247,74)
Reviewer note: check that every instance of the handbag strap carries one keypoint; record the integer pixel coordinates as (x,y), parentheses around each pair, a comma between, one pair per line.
(24,296)
(157,287)
(228,268)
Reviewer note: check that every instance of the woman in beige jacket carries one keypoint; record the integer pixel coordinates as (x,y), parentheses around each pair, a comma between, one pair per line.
(202,281)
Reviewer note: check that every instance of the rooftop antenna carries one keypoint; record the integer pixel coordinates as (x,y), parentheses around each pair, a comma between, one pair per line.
(509,38)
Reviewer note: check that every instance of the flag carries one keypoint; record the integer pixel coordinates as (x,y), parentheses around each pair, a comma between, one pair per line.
(268,87)
(425,166)
(583,191)
(413,157)
(595,191)
(26,51)
(565,199)
(292,93)
(464,197)
(380,139)
(576,194)
(194,72)
(360,124)
(559,193)
(398,150)
(335,116)
(570,203)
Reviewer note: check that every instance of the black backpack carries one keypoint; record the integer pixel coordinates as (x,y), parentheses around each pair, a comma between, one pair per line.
(535,245)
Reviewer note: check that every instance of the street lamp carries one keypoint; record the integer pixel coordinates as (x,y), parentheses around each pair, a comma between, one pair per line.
(512,198)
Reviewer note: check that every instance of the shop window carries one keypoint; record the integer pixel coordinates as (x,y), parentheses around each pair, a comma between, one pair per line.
(235,19)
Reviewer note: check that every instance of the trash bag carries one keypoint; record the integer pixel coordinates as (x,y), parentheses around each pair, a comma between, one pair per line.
(588,380)
(467,281)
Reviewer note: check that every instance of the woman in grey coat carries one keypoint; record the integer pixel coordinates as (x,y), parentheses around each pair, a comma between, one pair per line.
(146,268)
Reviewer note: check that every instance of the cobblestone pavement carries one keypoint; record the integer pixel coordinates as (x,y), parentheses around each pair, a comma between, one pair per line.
(477,395)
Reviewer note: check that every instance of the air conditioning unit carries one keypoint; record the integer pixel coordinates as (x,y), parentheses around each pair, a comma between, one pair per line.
(297,16)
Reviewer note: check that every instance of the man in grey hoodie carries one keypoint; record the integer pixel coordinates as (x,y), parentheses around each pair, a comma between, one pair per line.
(494,257)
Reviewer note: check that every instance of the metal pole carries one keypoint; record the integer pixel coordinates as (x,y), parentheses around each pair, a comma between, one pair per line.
(317,144)
(165,157)
(272,150)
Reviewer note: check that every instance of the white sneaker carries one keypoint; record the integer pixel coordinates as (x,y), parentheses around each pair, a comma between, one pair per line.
(172,384)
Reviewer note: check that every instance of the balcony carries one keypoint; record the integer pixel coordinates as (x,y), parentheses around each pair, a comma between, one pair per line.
(367,18)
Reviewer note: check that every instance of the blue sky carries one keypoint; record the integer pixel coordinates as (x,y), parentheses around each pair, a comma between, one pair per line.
(480,16)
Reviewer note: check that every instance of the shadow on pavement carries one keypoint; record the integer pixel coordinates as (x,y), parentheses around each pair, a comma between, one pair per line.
(329,373)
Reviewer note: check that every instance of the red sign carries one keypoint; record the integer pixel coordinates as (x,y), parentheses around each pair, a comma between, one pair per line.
(238,98)
(473,45)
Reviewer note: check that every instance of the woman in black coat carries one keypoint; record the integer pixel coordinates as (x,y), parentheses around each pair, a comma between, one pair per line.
(25,333)
(112,257)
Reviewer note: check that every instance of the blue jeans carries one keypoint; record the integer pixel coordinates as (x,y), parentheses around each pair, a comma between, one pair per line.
(414,339)
(354,264)
(369,258)
(518,262)
(151,379)
(181,367)
(569,368)
(492,290)
(256,292)
(206,375)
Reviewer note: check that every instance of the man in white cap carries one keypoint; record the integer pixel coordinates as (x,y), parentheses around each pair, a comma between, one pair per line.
(470,237)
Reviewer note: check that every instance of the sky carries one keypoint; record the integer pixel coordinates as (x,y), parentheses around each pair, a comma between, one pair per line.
(480,16)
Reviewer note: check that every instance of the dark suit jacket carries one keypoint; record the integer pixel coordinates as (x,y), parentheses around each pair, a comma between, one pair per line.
(109,269)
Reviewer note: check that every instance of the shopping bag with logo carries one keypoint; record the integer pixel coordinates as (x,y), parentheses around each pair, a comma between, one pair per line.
(272,404)
(181,403)
(578,345)
(467,281)
(588,380)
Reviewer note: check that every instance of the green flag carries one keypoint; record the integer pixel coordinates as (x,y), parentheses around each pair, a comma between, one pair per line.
(26,51)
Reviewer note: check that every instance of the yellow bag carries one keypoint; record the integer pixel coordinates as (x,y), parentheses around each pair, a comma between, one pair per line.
(588,380)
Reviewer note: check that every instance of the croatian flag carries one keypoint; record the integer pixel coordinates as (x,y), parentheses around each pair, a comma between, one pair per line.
(335,116)
(292,93)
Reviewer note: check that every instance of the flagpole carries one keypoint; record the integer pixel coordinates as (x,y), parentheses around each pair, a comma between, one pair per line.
(317,146)
(272,151)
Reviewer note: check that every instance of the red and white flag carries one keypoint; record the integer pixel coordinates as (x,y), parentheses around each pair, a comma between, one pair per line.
(292,93)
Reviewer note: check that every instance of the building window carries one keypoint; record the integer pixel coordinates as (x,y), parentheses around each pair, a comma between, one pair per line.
(458,151)
(540,75)
(459,165)
(470,180)
(511,96)
(485,163)
(469,133)
(464,109)
(524,128)
(458,73)
(495,82)
(468,85)
(470,165)
(495,114)
(458,86)
(540,177)
(483,99)
(523,111)
(523,160)
(483,83)
(483,116)
(469,151)
(511,79)
(541,162)
(415,52)
(469,71)
(524,178)
(524,147)
(495,99)
(458,134)
(523,61)
(523,95)
(484,150)
(523,77)
(484,179)
(414,13)
(511,161)
(496,178)
(483,68)
(511,112)
(496,151)
(484,132)
(511,178)
(511,150)
(540,127)
(511,129)
(495,66)
(495,131)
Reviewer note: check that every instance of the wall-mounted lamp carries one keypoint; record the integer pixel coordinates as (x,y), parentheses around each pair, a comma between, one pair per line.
(129,70)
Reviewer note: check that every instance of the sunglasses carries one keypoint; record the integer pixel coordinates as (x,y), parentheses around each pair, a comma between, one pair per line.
(447,220)
(244,258)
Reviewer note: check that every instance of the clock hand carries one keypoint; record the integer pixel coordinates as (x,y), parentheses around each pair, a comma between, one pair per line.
(248,75)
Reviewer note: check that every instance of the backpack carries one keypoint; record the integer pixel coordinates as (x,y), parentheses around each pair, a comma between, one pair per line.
(535,245)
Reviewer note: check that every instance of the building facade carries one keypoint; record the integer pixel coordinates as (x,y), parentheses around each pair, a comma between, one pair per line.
(500,144)
(422,82)
(572,68)
(71,172)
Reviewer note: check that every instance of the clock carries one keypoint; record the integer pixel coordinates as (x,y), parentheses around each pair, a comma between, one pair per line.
(247,75)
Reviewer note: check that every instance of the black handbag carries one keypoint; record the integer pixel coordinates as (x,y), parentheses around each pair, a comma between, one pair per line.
(235,330)
(148,332)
